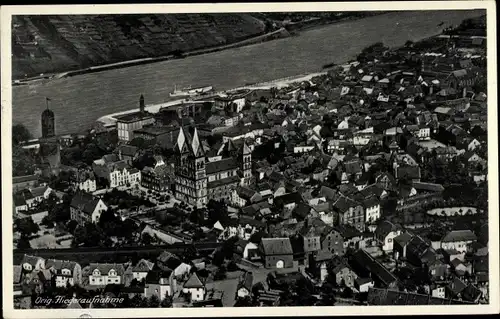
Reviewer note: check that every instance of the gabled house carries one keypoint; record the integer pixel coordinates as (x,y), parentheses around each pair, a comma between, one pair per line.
(160,283)
(243,196)
(458,240)
(245,285)
(365,266)
(372,209)
(194,288)
(66,273)
(385,234)
(31,263)
(350,212)
(85,207)
(105,274)
(141,269)
(276,252)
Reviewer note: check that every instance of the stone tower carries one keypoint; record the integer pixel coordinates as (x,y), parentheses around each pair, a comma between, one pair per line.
(190,173)
(48,122)
(246,164)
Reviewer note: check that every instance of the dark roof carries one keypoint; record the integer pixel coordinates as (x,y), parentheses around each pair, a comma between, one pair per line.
(228,180)
(459,235)
(246,281)
(385,227)
(411,172)
(276,246)
(222,165)
(32,260)
(344,203)
(430,187)
(456,286)
(143,266)
(105,268)
(193,282)
(288,198)
(365,260)
(154,276)
(403,239)
(348,231)
(23,179)
(128,150)
(302,210)
(60,264)
(471,293)
(84,202)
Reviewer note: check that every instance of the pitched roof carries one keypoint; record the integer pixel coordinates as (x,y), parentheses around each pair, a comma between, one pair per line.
(430,187)
(385,227)
(17,273)
(362,258)
(128,150)
(143,265)
(29,259)
(193,282)
(105,268)
(456,286)
(276,246)
(246,281)
(288,198)
(60,264)
(404,238)
(84,202)
(222,165)
(459,235)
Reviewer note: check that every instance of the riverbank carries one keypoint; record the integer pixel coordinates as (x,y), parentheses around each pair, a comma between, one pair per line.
(110,119)
(291,29)
(79,101)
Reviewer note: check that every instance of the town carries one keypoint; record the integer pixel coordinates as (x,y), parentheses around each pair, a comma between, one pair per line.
(366,185)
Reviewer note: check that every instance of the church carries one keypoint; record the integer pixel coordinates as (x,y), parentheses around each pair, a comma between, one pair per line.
(200,177)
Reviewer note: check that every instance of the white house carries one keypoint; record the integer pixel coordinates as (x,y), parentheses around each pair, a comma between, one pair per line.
(122,175)
(458,240)
(141,269)
(424,132)
(67,273)
(30,263)
(250,251)
(385,234)
(85,181)
(160,283)
(86,208)
(105,274)
(194,288)
(473,145)
(372,209)
(363,284)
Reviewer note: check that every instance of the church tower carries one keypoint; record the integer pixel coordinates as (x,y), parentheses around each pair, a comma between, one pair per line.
(190,174)
(48,122)
(200,178)
(246,165)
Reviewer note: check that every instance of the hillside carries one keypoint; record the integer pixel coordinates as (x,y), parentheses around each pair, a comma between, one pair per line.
(46,44)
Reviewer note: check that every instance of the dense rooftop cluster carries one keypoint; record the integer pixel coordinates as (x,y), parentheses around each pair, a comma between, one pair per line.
(366,185)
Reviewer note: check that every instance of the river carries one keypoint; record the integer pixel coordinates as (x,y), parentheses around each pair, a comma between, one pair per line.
(80,100)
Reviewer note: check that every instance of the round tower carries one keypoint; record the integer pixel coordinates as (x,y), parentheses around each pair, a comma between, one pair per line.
(48,124)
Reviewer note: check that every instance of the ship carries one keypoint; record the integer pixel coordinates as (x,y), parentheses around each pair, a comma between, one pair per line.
(189,91)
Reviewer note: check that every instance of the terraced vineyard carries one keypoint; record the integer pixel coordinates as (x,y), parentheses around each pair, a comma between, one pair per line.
(45,44)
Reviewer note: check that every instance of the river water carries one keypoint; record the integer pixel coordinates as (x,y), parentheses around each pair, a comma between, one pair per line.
(79,101)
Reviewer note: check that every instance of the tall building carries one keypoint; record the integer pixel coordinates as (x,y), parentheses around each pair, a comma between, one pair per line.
(190,170)
(50,148)
(48,123)
(126,124)
(199,178)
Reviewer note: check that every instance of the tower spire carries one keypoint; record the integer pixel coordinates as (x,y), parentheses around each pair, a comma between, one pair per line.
(195,144)
(181,139)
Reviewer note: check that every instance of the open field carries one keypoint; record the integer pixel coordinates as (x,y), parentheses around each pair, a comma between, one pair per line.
(79,101)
